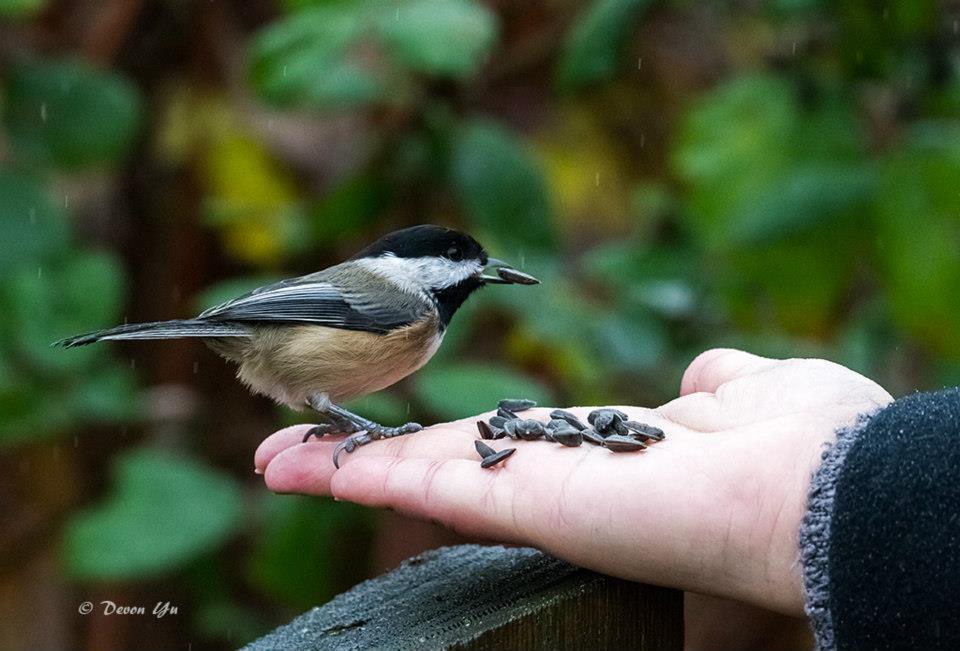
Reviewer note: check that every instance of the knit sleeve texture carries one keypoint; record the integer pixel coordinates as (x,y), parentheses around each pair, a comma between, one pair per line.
(880,543)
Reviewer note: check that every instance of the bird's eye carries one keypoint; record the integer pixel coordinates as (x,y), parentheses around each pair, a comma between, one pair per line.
(455,254)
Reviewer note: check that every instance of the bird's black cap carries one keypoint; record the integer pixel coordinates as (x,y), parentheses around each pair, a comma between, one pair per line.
(426,240)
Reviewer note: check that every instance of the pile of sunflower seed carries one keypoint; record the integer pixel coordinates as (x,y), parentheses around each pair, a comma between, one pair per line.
(609,428)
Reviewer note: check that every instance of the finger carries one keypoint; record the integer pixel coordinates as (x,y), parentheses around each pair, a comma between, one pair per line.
(700,411)
(454,492)
(307,467)
(291,436)
(710,369)
(277,443)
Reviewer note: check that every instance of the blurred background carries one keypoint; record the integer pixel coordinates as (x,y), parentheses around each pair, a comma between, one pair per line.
(781,176)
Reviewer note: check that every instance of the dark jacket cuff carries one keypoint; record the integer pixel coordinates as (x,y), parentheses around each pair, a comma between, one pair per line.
(880,543)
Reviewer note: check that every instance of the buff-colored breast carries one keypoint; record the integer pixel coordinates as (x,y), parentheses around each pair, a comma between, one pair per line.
(292,362)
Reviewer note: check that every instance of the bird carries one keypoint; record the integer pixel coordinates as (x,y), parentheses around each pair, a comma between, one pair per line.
(351,329)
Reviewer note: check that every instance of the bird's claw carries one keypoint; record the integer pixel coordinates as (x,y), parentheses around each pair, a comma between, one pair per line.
(373,433)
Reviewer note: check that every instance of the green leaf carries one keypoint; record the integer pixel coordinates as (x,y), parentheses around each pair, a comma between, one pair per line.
(163,512)
(33,227)
(107,395)
(806,197)
(31,411)
(442,37)
(634,342)
(381,407)
(298,551)
(918,227)
(595,42)
(348,209)
(661,278)
(466,389)
(20,8)
(762,169)
(500,184)
(80,294)
(70,114)
(305,58)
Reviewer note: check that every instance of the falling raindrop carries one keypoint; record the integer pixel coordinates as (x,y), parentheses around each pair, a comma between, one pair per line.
(33,216)
(956,26)
(408,408)
(398,13)
(284,70)
(196,367)
(76,441)
(39,272)
(43,111)
(66,200)
(794,48)
(596,179)
(639,63)
(643,140)
(133,363)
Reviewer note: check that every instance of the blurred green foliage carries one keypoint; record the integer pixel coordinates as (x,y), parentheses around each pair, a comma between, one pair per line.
(146,518)
(679,175)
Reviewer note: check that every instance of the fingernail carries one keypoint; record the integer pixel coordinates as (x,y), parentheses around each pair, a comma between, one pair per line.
(257,471)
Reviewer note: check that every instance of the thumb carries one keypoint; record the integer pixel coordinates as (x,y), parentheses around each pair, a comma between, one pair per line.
(698,407)
(715,367)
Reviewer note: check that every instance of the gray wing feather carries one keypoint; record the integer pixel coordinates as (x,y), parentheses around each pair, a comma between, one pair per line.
(319,299)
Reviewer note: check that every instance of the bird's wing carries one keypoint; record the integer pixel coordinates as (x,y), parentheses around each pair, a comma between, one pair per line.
(310,299)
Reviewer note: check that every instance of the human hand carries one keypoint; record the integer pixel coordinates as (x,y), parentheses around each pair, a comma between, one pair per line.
(715,508)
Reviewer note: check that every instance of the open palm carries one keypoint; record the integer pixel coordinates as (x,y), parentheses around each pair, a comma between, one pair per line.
(715,508)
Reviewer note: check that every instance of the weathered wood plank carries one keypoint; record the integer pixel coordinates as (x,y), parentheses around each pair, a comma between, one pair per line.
(484,598)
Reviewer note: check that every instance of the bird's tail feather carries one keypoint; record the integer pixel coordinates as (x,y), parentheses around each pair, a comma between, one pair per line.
(158,330)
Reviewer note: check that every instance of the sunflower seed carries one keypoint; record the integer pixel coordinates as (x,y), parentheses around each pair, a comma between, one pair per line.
(497,457)
(567,416)
(619,443)
(592,436)
(530,430)
(568,435)
(510,427)
(497,421)
(593,414)
(642,430)
(515,276)
(604,420)
(517,404)
(485,431)
(506,413)
(557,423)
(483,449)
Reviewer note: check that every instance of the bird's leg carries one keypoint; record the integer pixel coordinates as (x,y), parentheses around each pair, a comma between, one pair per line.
(332,424)
(369,430)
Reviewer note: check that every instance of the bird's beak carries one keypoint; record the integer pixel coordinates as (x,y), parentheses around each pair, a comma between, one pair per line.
(506,275)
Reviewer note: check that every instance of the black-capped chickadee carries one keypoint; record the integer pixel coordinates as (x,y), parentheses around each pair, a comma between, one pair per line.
(342,332)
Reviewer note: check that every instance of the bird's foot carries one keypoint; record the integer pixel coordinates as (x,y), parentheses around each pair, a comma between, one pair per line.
(372,432)
(337,427)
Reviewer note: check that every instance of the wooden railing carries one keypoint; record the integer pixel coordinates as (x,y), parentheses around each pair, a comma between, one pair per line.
(477,597)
